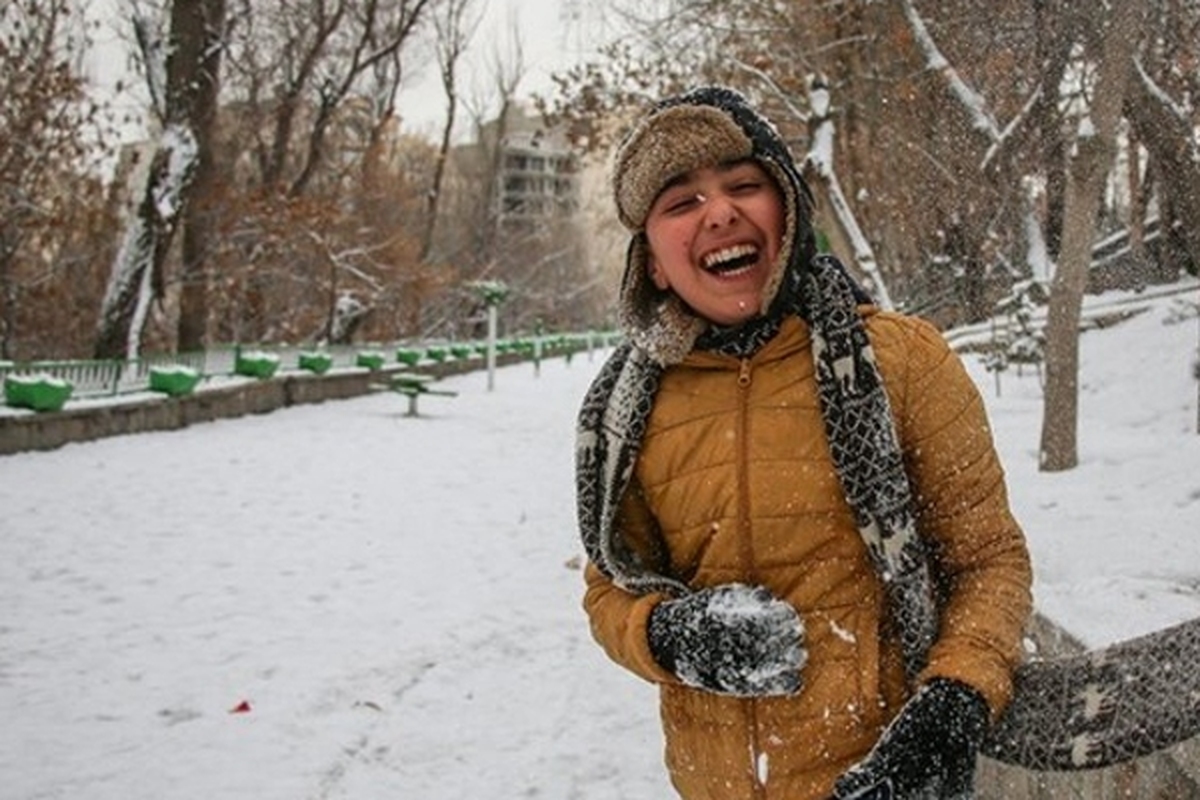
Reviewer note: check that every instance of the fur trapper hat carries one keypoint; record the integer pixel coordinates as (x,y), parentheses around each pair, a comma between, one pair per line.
(704,127)
(667,143)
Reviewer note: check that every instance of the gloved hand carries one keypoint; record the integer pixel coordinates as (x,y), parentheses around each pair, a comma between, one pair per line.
(928,751)
(731,639)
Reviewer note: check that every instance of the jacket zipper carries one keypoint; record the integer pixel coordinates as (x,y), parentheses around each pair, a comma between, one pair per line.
(743,469)
(743,381)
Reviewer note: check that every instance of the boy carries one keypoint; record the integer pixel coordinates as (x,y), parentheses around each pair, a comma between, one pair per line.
(794,516)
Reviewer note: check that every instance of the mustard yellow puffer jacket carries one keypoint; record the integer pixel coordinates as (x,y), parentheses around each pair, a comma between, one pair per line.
(735,483)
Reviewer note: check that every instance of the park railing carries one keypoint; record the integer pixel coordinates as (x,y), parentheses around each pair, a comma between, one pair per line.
(47,385)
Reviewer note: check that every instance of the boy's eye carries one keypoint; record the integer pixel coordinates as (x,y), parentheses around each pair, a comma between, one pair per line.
(746,186)
(680,203)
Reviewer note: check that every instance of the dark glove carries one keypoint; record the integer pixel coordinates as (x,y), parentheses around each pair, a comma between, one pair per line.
(928,751)
(731,639)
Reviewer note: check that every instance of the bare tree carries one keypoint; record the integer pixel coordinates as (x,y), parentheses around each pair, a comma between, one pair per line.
(844,231)
(46,122)
(181,93)
(490,108)
(1168,131)
(1091,160)
(202,40)
(310,134)
(455,27)
(294,63)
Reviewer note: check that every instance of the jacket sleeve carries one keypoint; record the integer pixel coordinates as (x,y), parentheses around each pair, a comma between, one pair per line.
(979,550)
(619,618)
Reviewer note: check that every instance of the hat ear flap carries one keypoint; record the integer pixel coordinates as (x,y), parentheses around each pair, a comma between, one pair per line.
(640,297)
(653,316)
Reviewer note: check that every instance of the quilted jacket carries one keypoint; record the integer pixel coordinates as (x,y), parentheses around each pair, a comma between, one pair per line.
(735,483)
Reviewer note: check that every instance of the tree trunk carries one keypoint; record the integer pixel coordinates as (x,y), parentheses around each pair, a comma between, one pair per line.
(454,31)
(846,238)
(8,312)
(199,43)
(1087,170)
(1054,45)
(137,271)
(1167,135)
(143,250)
(439,171)
(1138,258)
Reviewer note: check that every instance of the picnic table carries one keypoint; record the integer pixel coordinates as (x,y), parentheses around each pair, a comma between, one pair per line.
(412,385)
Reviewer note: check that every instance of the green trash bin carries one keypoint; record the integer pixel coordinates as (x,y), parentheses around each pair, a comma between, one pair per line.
(256,364)
(317,363)
(36,392)
(175,381)
(370,360)
(408,356)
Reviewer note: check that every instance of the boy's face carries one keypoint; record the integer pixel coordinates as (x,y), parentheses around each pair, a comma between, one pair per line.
(715,235)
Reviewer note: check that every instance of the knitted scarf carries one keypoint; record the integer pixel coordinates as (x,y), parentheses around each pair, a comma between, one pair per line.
(857,420)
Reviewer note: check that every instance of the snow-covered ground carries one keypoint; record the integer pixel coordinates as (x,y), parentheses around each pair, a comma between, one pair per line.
(1115,541)
(339,601)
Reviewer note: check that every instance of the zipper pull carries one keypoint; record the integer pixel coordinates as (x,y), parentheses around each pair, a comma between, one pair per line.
(744,373)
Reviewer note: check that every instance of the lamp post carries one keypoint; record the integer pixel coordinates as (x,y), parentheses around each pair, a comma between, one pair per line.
(493,293)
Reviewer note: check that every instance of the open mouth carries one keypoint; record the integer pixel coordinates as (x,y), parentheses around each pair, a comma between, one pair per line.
(731,259)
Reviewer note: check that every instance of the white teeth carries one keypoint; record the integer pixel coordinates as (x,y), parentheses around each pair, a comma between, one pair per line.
(729,254)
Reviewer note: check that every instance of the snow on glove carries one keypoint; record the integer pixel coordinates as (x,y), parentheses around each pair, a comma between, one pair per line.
(928,751)
(731,639)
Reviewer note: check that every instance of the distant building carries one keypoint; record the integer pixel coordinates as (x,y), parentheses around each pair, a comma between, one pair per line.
(536,177)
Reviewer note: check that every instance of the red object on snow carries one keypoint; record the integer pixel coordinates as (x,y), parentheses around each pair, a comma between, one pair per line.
(241,708)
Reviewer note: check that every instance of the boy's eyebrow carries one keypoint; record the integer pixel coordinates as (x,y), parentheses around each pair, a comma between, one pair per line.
(724,166)
(678,180)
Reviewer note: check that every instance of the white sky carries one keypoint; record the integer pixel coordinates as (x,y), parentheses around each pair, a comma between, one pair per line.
(549,41)
(392,596)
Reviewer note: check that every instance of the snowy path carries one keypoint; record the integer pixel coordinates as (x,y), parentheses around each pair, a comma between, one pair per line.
(389,594)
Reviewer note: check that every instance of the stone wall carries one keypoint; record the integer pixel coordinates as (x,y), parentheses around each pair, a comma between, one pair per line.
(85,420)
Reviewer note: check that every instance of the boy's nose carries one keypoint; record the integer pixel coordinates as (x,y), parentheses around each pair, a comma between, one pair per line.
(719,211)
